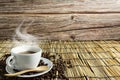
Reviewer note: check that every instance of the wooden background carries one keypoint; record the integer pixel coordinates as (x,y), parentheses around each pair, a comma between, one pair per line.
(62,19)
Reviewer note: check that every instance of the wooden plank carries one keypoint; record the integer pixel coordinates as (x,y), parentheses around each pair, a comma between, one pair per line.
(87,34)
(60,22)
(59,6)
(64,26)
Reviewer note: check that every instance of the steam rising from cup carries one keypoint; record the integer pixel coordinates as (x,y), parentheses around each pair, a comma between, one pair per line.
(22,37)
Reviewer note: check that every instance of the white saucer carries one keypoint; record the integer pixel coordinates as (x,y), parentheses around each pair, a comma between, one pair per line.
(46,61)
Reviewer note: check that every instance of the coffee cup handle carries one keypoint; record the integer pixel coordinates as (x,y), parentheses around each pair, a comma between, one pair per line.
(8,61)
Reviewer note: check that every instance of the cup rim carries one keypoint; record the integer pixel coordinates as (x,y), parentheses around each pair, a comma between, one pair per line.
(39,50)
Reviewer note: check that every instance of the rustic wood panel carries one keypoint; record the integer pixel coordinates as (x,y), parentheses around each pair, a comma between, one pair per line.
(64,26)
(59,6)
(62,19)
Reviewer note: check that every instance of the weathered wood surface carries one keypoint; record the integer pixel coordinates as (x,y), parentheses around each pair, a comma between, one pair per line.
(62,19)
(59,6)
(65,26)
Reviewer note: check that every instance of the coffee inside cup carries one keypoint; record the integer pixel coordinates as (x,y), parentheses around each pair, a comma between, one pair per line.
(27,52)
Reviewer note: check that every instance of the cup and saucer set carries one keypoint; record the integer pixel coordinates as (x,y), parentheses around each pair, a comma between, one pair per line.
(25,58)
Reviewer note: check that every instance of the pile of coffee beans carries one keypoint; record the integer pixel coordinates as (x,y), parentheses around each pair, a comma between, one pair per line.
(57,72)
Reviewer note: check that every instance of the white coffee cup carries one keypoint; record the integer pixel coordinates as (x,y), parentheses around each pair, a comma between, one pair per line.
(24,61)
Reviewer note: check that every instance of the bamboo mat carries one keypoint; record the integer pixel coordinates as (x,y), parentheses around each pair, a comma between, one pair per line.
(89,60)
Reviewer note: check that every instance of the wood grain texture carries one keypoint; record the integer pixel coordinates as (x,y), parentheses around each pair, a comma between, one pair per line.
(64,26)
(62,19)
(59,6)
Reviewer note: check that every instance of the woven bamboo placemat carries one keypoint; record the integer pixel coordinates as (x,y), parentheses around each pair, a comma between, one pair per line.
(83,60)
